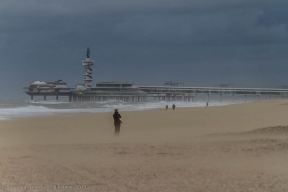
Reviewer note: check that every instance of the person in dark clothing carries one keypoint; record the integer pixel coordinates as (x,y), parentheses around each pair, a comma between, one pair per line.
(166,107)
(173,106)
(117,121)
(206,104)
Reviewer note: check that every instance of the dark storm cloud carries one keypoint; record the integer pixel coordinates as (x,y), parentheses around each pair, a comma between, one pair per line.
(201,42)
(163,22)
(91,7)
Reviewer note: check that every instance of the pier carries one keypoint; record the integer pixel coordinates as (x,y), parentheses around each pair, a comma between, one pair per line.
(128,92)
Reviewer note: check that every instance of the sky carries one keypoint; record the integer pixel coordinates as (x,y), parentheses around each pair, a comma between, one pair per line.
(202,43)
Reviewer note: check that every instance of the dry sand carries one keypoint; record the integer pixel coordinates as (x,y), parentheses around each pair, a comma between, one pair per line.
(241,147)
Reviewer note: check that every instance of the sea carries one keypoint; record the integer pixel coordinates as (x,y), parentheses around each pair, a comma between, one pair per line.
(10,109)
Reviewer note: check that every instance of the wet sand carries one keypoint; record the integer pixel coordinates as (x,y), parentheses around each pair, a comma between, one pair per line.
(241,147)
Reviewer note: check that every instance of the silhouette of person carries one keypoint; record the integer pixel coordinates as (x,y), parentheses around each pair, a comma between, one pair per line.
(173,106)
(166,107)
(117,121)
(206,104)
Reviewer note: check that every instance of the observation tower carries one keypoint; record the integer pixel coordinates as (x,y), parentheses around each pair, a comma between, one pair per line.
(87,63)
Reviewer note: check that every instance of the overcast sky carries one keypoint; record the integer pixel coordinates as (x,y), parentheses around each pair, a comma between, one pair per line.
(203,43)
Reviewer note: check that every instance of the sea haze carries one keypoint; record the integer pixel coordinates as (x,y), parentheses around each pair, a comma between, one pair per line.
(10,109)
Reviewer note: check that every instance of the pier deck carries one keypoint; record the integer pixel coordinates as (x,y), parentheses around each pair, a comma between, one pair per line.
(166,93)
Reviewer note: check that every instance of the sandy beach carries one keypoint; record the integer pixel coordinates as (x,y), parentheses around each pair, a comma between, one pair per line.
(241,147)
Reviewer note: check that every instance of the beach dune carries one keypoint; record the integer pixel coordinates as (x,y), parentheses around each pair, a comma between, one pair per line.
(241,147)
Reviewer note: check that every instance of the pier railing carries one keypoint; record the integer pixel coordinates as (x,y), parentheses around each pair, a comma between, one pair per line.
(212,90)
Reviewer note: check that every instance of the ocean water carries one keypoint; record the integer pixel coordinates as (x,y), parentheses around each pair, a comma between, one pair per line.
(10,109)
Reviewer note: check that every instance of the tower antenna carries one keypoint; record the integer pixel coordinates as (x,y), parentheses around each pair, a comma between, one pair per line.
(88,53)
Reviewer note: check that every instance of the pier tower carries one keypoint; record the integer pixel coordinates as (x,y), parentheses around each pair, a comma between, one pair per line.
(87,63)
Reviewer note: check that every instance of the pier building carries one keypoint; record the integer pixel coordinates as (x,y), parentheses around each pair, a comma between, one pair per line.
(46,88)
(85,91)
(110,90)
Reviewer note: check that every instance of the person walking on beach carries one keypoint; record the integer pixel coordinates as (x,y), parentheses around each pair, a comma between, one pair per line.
(166,107)
(117,121)
(173,106)
(206,104)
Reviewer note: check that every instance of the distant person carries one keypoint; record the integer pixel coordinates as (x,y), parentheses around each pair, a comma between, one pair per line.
(173,106)
(117,121)
(206,104)
(166,107)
